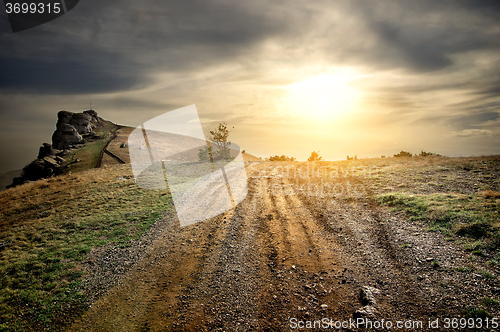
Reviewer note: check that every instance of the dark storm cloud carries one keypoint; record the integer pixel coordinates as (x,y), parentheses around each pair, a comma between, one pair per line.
(113,49)
(104,47)
(421,36)
(420,55)
(100,47)
(65,75)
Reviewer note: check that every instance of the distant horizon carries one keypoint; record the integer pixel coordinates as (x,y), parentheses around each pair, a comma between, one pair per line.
(263,156)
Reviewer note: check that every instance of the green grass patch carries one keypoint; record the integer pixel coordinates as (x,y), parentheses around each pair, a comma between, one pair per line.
(464,269)
(486,274)
(490,302)
(48,226)
(89,153)
(474,312)
(472,218)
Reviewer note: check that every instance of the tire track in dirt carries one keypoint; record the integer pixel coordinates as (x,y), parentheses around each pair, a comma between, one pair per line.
(300,273)
(274,257)
(369,252)
(148,297)
(227,280)
(224,288)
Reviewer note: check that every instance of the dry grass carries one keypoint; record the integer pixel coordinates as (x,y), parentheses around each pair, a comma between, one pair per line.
(490,194)
(47,226)
(456,196)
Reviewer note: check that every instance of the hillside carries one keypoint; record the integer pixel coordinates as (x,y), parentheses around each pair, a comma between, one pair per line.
(423,233)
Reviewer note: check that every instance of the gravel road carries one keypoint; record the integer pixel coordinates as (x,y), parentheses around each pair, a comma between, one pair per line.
(281,257)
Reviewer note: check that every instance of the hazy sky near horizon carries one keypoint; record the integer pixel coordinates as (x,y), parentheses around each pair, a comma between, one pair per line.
(342,77)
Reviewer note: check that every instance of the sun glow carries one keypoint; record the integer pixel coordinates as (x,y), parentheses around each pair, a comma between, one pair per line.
(322,97)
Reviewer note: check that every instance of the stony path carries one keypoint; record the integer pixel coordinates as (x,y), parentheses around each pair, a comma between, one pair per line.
(280,256)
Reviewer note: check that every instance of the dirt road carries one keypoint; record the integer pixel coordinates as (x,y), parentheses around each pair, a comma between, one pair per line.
(105,150)
(281,257)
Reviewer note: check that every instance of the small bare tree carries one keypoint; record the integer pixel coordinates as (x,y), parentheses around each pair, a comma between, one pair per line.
(220,136)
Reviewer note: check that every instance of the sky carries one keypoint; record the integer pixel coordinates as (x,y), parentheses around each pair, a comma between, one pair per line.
(365,78)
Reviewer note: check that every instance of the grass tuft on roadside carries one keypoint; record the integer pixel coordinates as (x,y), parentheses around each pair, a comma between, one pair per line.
(472,218)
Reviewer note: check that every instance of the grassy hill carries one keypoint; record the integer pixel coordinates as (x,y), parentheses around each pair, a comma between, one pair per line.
(48,227)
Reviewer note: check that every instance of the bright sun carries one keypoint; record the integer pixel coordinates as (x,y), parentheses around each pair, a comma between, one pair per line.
(322,97)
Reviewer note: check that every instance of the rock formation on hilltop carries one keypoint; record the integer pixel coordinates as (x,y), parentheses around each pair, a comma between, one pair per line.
(70,128)
(69,134)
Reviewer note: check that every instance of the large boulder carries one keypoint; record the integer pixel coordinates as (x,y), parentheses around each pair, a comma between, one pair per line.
(70,128)
(93,114)
(82,123)
(66,137)
(47,150)
(63,117)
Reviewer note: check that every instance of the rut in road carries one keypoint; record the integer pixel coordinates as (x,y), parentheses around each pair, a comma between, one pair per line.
(275,256)
(106,151)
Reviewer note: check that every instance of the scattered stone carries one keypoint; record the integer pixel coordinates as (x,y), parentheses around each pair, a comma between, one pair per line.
(365,312)
(43,214)
(367,296)
(5,244)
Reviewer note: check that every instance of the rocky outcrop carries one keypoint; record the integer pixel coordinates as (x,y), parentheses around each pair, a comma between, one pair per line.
(47,150)
(71,126)
(48,163)
(67,137)
(93,114)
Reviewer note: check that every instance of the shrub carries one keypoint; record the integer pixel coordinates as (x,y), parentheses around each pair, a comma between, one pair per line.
(476,230)
(282,158)
(425,154)
(219,136)
(204,154)
(403,154)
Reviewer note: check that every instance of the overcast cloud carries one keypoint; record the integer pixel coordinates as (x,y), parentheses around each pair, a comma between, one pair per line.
(431,71)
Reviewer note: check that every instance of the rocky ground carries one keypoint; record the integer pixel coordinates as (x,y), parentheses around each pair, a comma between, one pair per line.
(281,258)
